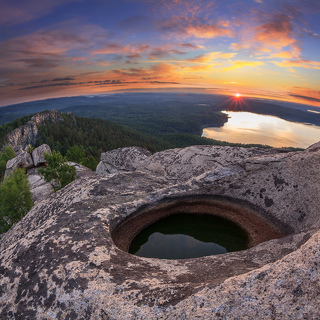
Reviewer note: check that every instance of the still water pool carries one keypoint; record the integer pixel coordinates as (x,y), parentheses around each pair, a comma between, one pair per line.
(246,127)
(185,235)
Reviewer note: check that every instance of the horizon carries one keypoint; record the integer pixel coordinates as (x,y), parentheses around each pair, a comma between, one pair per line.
(254,48)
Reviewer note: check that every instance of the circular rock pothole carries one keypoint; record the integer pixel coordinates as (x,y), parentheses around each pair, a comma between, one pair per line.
(257,226)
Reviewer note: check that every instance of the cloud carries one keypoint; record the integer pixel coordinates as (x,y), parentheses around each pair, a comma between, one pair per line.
(14,12)
(117,48)
(45,51)
(195,27)
(242,64)
(276,32)
(159,72)
(133,51)
(208,57)
(207,31)
(157,53)
(182,7)
(301,63)
(313,99)
(191,46)
(63,79)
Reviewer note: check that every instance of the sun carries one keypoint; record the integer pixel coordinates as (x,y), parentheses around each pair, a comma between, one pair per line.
(237,95)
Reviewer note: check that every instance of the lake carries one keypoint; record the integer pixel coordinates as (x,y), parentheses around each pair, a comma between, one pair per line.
(246,127)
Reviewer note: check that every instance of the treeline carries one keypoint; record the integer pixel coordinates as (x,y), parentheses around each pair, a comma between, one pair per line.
(87,138)
(84,139)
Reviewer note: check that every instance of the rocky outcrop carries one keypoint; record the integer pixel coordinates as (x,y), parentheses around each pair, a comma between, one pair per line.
(22,160)
(27,134)
(60,260)
(40,189)
(176,165)
(26,160)
(38,154)
(123,159)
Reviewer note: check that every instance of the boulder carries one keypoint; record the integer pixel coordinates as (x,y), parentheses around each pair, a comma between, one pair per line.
(22,160)
(38,154)
(39,188)
(122,159)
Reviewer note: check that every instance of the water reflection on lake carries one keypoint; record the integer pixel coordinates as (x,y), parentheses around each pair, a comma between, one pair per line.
(246,127)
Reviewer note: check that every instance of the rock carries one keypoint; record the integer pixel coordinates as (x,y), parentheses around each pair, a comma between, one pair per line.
(314,147)
(82,171)
(39,188)
(176,165)
(38,154)
(122,159)
(22,160)
(27,134)
(61,261)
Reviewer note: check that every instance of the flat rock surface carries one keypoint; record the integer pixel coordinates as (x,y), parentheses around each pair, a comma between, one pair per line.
(60,262)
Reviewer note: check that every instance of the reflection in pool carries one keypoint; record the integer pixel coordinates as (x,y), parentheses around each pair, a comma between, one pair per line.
(246,127)
(184,235)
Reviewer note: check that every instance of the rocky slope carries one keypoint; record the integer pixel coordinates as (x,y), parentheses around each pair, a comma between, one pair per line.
(21,137)
(60,260)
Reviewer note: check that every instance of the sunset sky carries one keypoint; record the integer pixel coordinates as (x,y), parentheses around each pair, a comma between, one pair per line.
(263,48)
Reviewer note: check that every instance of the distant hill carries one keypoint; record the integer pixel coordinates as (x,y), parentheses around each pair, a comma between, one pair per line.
(161,113)
(63,131)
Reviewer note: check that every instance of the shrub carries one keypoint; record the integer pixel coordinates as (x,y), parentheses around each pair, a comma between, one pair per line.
(5,156)
(15,199)
(57,171)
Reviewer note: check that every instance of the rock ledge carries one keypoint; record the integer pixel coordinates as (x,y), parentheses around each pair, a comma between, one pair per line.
(60,262)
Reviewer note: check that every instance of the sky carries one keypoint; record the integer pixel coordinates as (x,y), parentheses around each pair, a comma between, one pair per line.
(259,48)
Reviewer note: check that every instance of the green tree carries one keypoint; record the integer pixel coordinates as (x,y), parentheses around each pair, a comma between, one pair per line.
(90,162)
(15,199)
(5,156)
(57,170)
(76,154)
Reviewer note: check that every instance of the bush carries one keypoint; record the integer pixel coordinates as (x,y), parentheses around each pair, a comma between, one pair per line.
(15,199)
(5,156)
(57,171)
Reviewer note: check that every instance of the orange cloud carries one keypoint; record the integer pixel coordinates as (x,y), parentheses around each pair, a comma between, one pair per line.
(156,72)
(207,31)
(242,64)
(276,33)
(308,64)
(207,58)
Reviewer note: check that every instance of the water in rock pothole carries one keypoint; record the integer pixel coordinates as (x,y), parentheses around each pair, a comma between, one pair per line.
(185,235)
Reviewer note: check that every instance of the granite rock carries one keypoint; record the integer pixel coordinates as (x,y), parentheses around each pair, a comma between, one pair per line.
(27,134)
(61,262)
(175,165)
(22,160)
(39,188)
(38,154)
(122,159)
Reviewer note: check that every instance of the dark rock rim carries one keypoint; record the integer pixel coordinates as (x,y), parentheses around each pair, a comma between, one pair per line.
(256,223)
